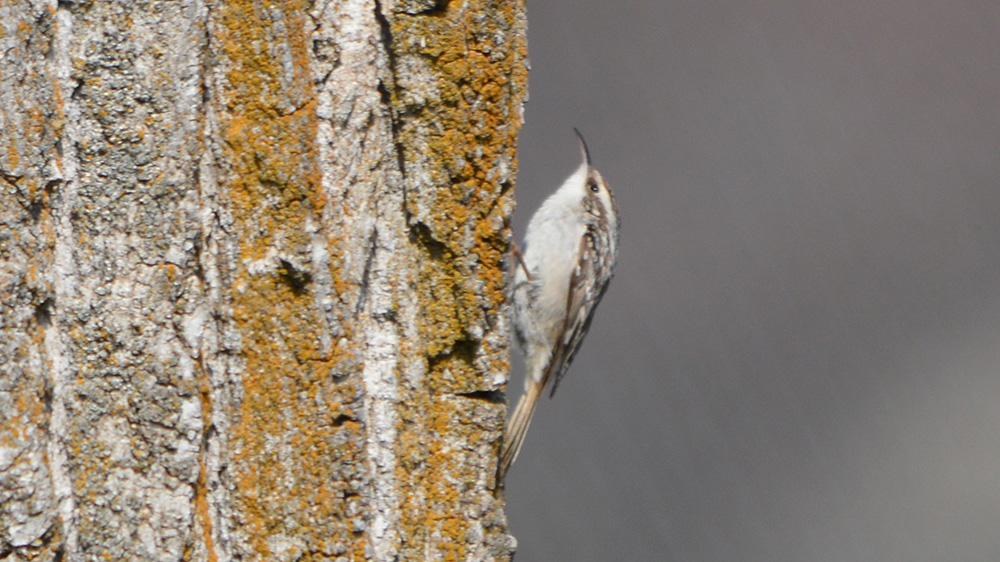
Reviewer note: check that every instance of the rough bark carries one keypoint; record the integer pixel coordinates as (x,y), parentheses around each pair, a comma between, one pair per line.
(251,282)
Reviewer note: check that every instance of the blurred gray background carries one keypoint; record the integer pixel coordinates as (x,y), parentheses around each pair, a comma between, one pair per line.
(798,359)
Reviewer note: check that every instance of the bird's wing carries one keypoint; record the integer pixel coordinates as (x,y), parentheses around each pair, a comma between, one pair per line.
(586,287)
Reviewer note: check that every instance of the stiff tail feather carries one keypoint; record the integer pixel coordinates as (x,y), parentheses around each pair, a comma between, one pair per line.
(517,428)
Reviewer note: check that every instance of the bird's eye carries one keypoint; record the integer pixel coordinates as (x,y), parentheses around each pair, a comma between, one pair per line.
(594,188)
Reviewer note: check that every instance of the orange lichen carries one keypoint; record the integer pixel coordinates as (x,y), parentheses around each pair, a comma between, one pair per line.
(201,485)
(283,432)
(284,467)
(475,122)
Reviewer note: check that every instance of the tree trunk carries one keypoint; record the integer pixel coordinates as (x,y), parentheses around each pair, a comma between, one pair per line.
(251,280)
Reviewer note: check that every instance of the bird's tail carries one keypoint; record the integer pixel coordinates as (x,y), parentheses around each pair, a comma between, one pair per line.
(517,428)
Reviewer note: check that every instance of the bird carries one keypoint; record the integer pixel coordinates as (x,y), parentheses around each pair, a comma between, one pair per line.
(569,257)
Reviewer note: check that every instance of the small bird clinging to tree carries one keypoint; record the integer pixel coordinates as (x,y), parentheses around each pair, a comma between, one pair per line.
(570,252)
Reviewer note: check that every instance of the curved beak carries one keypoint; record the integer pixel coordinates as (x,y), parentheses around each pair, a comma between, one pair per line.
(583,146)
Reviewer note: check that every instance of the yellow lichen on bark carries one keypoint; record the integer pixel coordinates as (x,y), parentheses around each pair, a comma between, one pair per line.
(459,128)
(474,123)
(291,423)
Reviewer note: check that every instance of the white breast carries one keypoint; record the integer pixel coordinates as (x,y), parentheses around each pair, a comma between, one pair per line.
(553,241)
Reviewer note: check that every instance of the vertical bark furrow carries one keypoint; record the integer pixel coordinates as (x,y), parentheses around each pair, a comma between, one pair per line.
(459,73)
(29,503)
(297,430)
(126,403)
(361,178)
